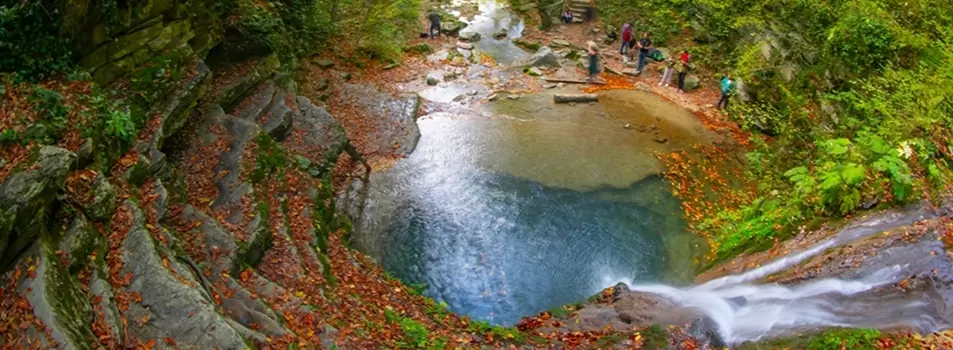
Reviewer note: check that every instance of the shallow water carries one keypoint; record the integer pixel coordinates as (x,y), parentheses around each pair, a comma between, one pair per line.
(533,208)
(494,18)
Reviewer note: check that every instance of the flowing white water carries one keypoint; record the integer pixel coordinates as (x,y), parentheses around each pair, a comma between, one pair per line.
(744,311)
(747,312)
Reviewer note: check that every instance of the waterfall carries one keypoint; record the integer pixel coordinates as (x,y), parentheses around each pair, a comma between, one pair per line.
(749,312)
(744,310)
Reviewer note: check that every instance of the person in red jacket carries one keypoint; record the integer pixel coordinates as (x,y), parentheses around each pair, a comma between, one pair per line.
(683,67)
(626,39)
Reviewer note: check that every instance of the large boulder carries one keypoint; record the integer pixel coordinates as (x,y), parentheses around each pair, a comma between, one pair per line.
(103,202)
(545,57)
(318,127)
(173,111)
(171,305)
(56,298)
(25,199)
(452,27)
(469,36)
(692,82)
(234,82)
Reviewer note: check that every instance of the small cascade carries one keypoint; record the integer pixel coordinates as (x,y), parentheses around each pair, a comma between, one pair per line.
(741,309)
(749,312)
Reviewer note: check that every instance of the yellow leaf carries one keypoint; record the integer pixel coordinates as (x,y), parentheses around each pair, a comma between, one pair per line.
(299,294)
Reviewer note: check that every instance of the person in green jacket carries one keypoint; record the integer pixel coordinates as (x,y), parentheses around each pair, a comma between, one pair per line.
(727,89)
(593,52)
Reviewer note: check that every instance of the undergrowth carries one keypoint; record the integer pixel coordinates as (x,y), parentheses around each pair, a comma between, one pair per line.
(850,104)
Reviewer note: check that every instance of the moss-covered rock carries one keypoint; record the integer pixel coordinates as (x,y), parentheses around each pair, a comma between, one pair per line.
(57,299)
(241,83)
(25,199)
(122,46)
(104,200)
(79,241)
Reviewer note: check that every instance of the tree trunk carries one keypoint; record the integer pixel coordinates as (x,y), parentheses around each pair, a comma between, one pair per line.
(544,7)
(570,98)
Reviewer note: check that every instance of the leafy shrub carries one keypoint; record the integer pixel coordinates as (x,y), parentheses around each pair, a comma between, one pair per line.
(862,41)
(855,339)
(415,333)
(30,42)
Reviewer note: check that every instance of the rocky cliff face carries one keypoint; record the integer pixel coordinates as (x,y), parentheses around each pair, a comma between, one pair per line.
(198,233)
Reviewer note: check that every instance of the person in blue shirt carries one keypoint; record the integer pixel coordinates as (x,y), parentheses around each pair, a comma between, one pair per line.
(645,46)
(727,89)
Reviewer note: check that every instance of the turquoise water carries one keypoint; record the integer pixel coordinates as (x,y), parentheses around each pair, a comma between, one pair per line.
(475,216)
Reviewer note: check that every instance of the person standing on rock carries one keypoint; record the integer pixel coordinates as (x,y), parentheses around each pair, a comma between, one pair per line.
(626,39)
(667,76)
(727,89)
(683,67)
(434,18)
(593,51)
(645,45)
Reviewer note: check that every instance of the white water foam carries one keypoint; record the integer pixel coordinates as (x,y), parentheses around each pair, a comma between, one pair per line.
(744,311)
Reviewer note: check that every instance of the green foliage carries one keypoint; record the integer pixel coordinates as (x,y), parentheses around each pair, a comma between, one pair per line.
(52,116)
(270,158)
(862,40)
(654,337)
(299,28)
(855,94)
(859,339)
(560,312)
(383,26)
(437,309)
(415,333)
(483,327)
(417,289)
(30,42)
(157,77)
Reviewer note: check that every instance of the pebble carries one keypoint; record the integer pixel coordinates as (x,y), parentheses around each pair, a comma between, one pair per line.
(513,97)
(493,97)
